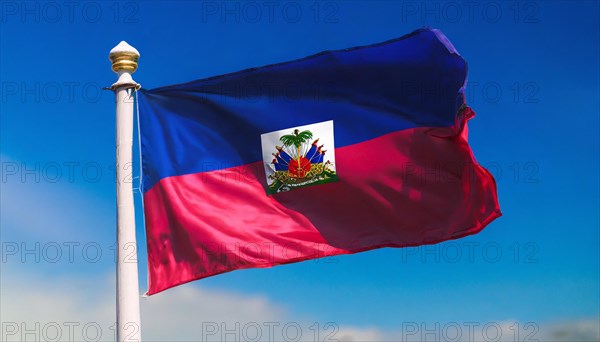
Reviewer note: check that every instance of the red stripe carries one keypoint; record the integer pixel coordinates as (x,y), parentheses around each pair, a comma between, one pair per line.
(412,187)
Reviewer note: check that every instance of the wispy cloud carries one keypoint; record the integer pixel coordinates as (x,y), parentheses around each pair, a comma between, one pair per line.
(78,308)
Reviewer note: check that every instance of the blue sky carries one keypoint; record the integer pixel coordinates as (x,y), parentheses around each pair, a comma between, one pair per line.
(533,82)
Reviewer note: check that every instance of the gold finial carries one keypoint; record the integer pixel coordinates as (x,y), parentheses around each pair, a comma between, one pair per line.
(124,57)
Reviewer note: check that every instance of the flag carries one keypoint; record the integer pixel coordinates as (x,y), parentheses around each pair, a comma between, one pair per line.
(340,152)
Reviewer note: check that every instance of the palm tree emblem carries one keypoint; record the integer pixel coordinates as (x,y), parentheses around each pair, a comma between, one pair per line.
(299,162)
(300,165)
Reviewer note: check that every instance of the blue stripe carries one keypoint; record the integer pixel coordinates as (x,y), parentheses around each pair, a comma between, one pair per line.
(215,123)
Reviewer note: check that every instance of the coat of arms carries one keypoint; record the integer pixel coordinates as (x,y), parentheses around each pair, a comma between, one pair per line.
(297,159)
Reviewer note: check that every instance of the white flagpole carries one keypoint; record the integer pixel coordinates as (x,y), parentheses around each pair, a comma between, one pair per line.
(124,60)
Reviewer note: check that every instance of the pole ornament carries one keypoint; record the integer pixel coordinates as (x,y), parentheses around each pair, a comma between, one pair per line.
(124,57)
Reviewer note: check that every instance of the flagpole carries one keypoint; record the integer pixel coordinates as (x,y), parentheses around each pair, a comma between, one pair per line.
(124,60)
